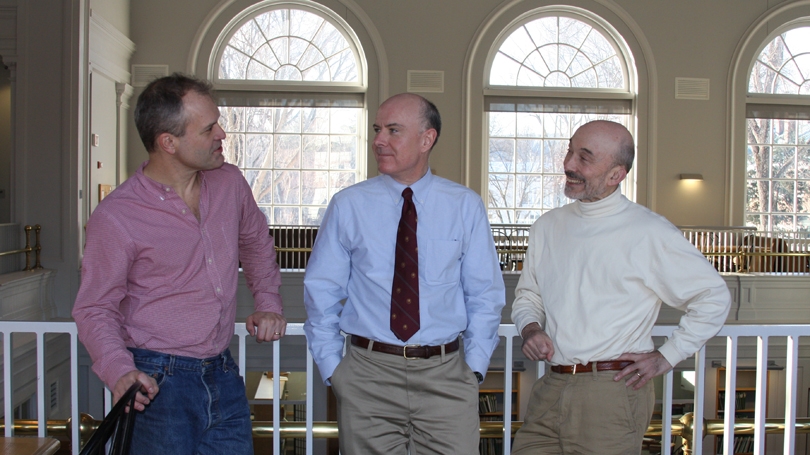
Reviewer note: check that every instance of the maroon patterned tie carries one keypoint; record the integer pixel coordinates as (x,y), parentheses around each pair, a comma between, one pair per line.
(405,291)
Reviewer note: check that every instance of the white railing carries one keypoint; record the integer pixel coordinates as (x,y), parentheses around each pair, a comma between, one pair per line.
(746,250)
(731,334)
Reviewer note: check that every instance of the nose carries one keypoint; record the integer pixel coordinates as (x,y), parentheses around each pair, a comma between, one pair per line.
(379,139)
(567,165)
(219,133)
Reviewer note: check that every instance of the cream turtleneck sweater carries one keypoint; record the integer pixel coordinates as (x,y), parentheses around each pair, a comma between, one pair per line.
(596,273)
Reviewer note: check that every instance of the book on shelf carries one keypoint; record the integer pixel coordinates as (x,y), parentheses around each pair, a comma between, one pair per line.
(742,444)
(740,400)
(490,447)
(487,403)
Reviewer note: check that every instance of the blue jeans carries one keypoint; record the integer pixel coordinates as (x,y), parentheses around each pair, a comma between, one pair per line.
(201,407)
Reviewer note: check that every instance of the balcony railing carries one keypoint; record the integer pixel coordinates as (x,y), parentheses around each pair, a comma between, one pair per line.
(729,249)
(692,427)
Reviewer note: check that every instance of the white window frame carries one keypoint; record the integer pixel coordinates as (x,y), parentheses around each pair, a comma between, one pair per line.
(266,89)
(628,93)
(767,101)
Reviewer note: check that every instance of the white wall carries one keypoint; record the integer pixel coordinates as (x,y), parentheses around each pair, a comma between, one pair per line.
(5,144)
(116,12)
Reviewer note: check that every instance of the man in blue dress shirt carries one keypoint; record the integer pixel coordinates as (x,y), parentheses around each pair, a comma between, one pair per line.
(420,393)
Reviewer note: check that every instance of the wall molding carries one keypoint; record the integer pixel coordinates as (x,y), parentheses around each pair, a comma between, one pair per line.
(110,50)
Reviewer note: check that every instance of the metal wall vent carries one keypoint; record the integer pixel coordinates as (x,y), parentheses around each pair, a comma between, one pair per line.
(426,81)
(689,88)
(144,74)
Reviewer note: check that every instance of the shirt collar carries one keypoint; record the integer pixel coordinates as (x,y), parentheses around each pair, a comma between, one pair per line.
(158,188)
(150,185)
(420,188)
(603,207)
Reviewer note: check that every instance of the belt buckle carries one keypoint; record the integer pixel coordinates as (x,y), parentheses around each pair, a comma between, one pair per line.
(405,351)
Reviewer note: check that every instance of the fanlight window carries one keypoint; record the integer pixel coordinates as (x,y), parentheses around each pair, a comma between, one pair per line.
(778,135)
(565,61)
(288,45)
(557,52)
(783,66)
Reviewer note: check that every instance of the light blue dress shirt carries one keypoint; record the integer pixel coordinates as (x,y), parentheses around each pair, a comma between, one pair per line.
(348,280)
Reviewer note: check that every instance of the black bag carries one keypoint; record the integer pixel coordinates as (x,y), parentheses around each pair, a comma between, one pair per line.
(116,425)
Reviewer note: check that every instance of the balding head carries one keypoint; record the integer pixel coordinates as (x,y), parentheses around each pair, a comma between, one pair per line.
(429,116)
(616,138)
(599,155)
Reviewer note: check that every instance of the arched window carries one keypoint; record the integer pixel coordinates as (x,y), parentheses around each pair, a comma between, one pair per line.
(549,73)
(778,134)
(291,82)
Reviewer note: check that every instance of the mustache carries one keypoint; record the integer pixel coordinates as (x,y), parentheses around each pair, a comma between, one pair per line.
(574,175)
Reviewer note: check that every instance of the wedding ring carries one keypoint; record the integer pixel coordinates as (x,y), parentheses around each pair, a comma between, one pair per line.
(638,374)
(277,333)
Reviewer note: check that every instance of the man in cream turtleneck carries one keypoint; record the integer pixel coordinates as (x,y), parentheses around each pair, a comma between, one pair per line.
(595,274)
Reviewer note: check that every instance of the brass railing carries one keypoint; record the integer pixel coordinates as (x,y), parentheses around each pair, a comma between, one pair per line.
(682,427)
(729,249)
(28,248)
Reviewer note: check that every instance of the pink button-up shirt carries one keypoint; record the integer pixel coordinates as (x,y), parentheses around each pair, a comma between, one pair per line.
(154,277)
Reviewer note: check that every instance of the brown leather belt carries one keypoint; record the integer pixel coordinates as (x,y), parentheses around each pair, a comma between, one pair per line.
(611,365)
(409,351)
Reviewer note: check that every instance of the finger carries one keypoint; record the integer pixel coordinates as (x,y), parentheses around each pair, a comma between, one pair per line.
(627,371)
(639,383)
(636,380)
(250,326)
(529,353)
(269,333)
(148,385)
(550,352)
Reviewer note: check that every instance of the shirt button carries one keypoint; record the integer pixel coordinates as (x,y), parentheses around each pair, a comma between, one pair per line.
(184,211)
(210,260)
(161,198)
(219,291)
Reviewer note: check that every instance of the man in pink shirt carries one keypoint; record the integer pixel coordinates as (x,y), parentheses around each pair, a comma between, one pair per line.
(157,302)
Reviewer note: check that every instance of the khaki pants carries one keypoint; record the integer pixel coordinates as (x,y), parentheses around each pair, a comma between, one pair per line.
(584,413)
(390,405)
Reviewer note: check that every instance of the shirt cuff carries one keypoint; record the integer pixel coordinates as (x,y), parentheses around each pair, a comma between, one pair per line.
(327,368)
(269,303)
(477,364)
(115,371)
(671,353)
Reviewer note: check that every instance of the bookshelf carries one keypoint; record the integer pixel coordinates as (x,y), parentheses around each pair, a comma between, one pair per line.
(491,406)
(744,406)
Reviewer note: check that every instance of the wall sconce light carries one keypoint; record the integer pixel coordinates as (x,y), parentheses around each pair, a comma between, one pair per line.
(691,176)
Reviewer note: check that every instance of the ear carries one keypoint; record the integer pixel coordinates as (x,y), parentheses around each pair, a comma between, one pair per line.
(428,138)
(166,142)
(617,174)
